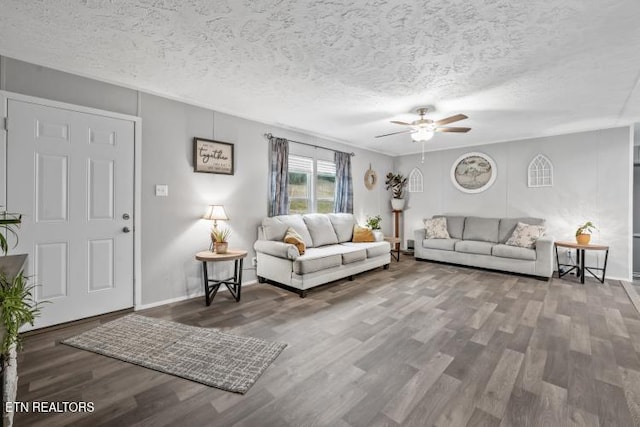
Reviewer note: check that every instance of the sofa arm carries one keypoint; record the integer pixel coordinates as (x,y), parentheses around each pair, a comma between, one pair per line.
(419,236)
(277,249)
(544,256)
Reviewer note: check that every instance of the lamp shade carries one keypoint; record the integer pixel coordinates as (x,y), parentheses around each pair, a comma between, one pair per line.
(422,134)
(216,212)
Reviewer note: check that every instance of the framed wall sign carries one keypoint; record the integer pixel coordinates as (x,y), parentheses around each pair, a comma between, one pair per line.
(212,156)
(473,172)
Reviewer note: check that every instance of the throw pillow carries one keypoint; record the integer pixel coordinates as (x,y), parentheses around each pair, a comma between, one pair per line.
(362,234)
(525,235)
(436,228)
(292,236)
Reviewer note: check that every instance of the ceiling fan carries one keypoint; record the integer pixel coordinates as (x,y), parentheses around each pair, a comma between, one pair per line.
(423,129)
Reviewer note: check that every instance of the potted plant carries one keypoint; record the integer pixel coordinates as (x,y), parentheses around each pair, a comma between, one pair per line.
(583,233)
(373,222)
(220,237)
(17,308)
(396,183)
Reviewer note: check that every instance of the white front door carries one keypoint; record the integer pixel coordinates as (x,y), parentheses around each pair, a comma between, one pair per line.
(71,176)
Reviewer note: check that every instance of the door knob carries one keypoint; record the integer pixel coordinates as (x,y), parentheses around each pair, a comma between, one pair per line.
(126,229)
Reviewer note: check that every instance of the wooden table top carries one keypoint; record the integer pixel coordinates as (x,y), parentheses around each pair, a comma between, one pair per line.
(392,239)
(208,256)
(574,245)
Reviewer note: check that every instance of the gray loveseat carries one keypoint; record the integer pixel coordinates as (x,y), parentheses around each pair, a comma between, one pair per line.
(330,254)
(480,242)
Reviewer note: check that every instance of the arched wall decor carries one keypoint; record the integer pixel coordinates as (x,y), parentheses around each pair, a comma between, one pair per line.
(540,172)
(473,172)
(416,181)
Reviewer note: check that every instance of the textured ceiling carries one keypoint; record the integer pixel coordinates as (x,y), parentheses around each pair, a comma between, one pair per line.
(343,69)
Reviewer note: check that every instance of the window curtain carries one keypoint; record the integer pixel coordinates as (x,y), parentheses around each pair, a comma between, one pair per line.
(279,176)
(344,187)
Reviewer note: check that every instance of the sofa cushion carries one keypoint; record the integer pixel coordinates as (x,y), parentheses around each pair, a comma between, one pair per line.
(481,229)
(442,244)
(362,234)
(455,225)
(316,259)
(525,235)
(506,251)
(321,230)
(350,255)
(343,225)
(295,239)
(474,247)
(274,228)
(507,225)
(436,228)
(373,249)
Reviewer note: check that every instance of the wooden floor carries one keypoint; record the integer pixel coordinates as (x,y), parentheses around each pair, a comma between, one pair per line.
(419,344)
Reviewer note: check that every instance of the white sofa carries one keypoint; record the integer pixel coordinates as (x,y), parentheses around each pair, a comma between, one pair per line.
(330,254)
(480,242)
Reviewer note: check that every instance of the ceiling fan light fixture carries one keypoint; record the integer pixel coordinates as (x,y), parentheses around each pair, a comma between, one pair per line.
(422,134)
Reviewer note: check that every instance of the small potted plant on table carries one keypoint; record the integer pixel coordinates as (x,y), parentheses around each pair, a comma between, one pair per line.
(583,233)
(373,222)
(220,237)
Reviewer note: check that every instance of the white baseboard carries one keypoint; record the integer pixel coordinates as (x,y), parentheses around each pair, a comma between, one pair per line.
(185,297)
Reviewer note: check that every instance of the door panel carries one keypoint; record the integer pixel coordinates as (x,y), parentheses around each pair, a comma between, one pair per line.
(71,176)
(101,264)
(52,263)
(52,177)
(101,194)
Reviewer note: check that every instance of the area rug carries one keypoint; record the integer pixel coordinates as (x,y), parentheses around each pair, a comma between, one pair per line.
(207,356)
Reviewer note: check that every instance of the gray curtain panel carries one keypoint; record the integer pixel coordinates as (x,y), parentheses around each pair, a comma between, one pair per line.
(344,185)
(278,176)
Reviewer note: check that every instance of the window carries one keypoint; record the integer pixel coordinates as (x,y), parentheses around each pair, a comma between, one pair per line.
(312,185)
(540,172)
(326,186)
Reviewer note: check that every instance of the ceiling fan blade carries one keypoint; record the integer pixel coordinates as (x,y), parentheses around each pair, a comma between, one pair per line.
(459,130)
(400,123)
(451,119)
(394,133)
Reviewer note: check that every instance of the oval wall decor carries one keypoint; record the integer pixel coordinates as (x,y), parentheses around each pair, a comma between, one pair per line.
(370,178)
(473,172)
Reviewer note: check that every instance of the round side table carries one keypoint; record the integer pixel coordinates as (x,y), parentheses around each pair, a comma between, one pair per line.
(581,268)
(234,283)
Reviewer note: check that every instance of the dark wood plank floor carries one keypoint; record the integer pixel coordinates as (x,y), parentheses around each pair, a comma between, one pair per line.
(419,344)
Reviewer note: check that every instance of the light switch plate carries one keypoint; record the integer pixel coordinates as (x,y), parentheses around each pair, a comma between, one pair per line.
(162,190)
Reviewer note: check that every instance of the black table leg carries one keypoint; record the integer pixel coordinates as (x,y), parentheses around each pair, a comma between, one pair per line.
(604,268)
(209,291)
(581,256)
(239,278)
(234,284)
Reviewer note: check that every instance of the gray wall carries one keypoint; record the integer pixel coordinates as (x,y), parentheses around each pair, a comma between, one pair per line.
(591,182)
(172,231)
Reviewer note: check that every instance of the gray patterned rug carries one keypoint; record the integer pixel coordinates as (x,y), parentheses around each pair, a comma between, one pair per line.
(210,357)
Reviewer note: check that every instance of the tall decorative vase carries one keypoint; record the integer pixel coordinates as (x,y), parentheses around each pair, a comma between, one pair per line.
(397,204)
